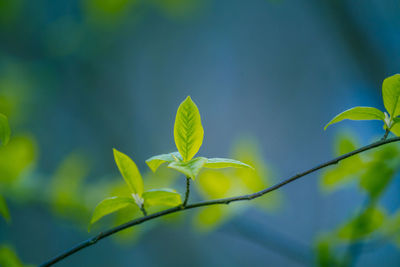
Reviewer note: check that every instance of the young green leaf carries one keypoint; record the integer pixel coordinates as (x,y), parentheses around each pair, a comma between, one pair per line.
(358,113)
(4,210)
(110,205)
(5,131)
(130,172)
(190,168)
(163,197)
(157,161)
(391,95)
(188,131)
(218,163)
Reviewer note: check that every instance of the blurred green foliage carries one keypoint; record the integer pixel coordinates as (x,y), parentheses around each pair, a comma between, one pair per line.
(372,173)
(224,183)
(8,257)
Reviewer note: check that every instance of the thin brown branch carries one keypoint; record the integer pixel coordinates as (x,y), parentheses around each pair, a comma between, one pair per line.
(95,239)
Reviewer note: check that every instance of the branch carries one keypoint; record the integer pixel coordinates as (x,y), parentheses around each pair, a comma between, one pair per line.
(95,239)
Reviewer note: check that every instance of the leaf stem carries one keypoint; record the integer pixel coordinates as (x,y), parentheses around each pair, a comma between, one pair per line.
(143,210)
(114,230)
(386,134)
(187,191)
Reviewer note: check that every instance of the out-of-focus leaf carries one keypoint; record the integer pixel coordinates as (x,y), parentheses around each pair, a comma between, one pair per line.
(110,205)
(358,113)
(190,168)
(5,130)
(157,161)
(165,177)
(376,178)
(250,181)
(391,95)
(130,172)
(345,143)
(108,12)
(209,218)
(391,228)
(161,197)
(179,8)
(214,184)
(218,163)
(8,257)
(16,157)
(347,170)
(4,210)
(67,187)
(362,225)
(325,254)
(188,130)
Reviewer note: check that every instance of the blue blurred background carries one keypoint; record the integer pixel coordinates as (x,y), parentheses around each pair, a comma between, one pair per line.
(84,76)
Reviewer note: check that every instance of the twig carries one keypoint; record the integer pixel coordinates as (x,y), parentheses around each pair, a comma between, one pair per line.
(95,239)
(187,192)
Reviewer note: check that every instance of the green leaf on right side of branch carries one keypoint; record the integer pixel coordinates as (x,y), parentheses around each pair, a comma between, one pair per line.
(110,205)
(190,168)
(219,163)
(4,209)
(391,95)
(130,172)
(162,197)
(155,162)
(188,130)
(358,113)
(5,130)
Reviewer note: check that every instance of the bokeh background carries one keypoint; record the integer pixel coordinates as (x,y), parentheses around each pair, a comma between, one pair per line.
(80,77)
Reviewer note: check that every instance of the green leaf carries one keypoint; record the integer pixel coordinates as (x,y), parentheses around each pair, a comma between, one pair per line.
(218,163)
(157,161)
(162,197)
(358,113)
(130,172)
(190,168)
(5,130)
(188,131)
(110,205)
(391,95)
(363,225)
(4,210)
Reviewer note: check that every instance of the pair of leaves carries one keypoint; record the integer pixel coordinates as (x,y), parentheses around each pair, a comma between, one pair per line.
(188,135)
(5,130)
(140,198)
(391,100)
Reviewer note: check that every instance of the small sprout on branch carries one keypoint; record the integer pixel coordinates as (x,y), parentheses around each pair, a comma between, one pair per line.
(391,101)
(188,135)
(140,198)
